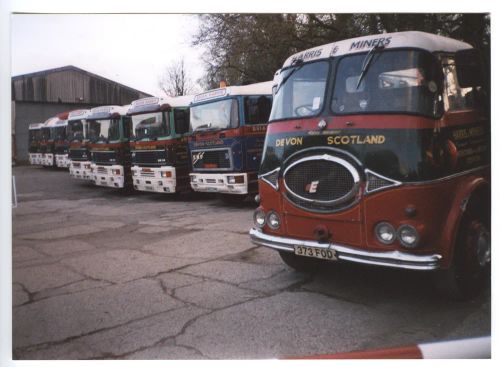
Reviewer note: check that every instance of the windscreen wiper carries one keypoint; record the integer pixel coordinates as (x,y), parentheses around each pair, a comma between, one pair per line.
(204,127)
(300,63)
(366,63)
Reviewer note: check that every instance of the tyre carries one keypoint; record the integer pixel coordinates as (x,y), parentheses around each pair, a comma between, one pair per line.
(471,265)
(300,263)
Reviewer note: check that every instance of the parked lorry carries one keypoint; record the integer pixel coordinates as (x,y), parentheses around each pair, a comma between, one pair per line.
(35,136)
(61,143)
(227,128)
(79,154)
(47,142)
(109,132)
(378,152)
(160,161)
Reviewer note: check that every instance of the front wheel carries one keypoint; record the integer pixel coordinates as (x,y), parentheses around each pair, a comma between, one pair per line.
(300,263)
(471,264)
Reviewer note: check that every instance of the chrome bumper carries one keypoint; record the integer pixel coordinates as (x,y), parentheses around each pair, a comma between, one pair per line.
(107,176)
(394,259)
(77,170)
(218,182)
(62,160)
(153,181)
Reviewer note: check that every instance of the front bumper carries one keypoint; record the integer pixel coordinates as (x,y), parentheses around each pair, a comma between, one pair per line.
(38,159)
(80,170)
(109,176)
(33,158)
(62,160)
(394,259)
(219,182)
(48,159)
(154,179)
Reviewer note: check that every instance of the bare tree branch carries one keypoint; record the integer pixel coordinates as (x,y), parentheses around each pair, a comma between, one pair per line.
(175,80)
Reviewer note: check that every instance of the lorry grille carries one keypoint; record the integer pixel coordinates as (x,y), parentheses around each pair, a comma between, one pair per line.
(211,159)
(105,158)
(78,154)
(150,158)
(321,182)
(61,149)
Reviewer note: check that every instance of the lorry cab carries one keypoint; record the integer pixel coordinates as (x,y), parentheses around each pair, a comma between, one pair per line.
(109,131)
(227,128)
(35,136)
(160,161)
(47,143)
(61,144)
(377,152)
(78,137)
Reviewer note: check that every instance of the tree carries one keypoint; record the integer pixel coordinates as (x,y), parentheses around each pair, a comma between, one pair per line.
(175,81)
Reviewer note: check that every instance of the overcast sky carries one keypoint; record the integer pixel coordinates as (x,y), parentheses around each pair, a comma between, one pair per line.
(132,49)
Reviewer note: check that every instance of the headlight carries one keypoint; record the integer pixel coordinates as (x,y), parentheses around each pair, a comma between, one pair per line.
(134,173)
(273,220)
(408,236)
(193,179)
(116,172)
(166,174)
(235,179)
(385,233)
(259,218)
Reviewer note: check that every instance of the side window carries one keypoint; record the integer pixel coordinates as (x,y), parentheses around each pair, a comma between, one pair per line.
(181,120)
(257,109)
(127,127)
(455,97)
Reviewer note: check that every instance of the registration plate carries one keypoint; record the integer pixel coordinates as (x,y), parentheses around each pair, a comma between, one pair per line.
(211,189)
(150,188)
(315,252)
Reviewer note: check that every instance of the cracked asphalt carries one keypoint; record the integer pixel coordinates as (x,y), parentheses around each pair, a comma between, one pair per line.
(100,274)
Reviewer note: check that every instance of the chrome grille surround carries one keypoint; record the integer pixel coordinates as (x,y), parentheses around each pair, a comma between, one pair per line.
(149,157)
(343,194)
(222,157)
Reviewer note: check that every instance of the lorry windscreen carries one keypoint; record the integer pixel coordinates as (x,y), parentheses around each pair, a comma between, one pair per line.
(76,130)
(150,125)
(395,81)
(301,91)
(45,133)
(104,130)
(214,115)
(33,135)
(403,81)
(60,133)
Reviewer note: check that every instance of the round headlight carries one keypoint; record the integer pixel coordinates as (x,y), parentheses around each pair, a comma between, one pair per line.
(273,220)
(408,236)
(385,233)
(259,218)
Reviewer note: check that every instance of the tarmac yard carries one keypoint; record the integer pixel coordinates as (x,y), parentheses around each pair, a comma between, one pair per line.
(101,274)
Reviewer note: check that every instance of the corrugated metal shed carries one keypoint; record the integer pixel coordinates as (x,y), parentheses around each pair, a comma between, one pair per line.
(69,84)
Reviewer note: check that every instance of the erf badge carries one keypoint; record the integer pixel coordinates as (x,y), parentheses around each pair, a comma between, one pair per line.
(312,187)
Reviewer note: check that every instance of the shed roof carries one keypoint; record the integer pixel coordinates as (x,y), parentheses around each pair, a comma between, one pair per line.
(74,68)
